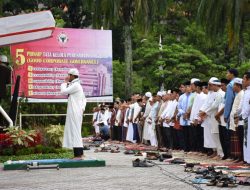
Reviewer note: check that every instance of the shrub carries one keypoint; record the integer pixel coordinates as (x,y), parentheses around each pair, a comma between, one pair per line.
(54,134)
(39,149)
(8,151)
(37,139)
(20,137)
(25,151)
(5,141)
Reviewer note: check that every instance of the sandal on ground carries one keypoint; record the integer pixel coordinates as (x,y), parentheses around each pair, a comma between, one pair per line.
(129,152)
(114,151)
(141,163)
(226,181)
(138,154)
(212,182)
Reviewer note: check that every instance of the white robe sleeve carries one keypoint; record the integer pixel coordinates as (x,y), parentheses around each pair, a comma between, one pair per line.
(68,90)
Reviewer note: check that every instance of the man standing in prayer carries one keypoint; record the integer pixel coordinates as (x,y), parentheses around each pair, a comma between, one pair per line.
(229,98)
(192,129)
(209,142)
(245,115)
(76,106)
(194,116)
(236,129)
(145,116)
(220,118)
(152,119)
(183,114)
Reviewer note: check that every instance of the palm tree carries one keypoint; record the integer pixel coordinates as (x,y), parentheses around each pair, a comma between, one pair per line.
(218,16)
(128,12)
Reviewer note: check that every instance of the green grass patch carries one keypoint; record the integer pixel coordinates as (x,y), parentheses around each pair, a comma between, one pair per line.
(67,154)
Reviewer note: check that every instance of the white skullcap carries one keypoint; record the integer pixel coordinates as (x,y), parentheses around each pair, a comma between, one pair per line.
(163,93)
(193,80)
(159,93)
(73,71)
(3,59)
(238,80)
(151,99)
(169,91)
(214,81)
(148,94)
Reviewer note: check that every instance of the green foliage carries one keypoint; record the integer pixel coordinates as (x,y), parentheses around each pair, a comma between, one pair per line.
(25,151)
(54,133)
(8,151)
(20,137)
(65,154)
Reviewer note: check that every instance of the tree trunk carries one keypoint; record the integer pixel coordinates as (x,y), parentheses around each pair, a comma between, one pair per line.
(241,52)
(1,8)
(128,60)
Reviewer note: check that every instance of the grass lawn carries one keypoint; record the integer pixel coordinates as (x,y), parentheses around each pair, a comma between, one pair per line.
(68,154)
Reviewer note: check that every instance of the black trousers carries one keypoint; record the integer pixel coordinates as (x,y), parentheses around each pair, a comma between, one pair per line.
(175,138)
(136,135)
(193,137)
(225,139)
(167,137)
(119,133)
(115,133)
(222,139)
(240,132)
(186,132)
(200,139)
(159,136)
(78,151)
(180,139)
(124,133)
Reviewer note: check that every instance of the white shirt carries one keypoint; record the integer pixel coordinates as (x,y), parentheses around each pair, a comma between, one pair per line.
(118,117)
(235,109)
(169,112)
(126,117)
(147,109)
(245,111)
(137,110)
(199,100)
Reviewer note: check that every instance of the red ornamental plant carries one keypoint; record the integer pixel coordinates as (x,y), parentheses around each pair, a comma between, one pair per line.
(37,139)
(5,140)
(20,137)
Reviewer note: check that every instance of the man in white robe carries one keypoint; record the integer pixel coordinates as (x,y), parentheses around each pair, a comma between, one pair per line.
(245,115)
(76,105)
(152,119)
(206,121)
(210,113)
(145,116)
(195,120)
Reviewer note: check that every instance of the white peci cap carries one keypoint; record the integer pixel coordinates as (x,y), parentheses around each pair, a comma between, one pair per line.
(214,81)
(238,80)
(193,80)
(148,94)
(159,93)
(73,71)
(3,59)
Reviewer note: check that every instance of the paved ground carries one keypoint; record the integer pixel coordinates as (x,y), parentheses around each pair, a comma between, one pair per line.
(118,174)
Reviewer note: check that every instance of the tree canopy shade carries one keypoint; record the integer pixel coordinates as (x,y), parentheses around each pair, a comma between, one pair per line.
(141,13)
(218,16)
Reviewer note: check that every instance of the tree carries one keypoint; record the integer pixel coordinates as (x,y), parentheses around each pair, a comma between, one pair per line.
(218,16)
(142,13)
